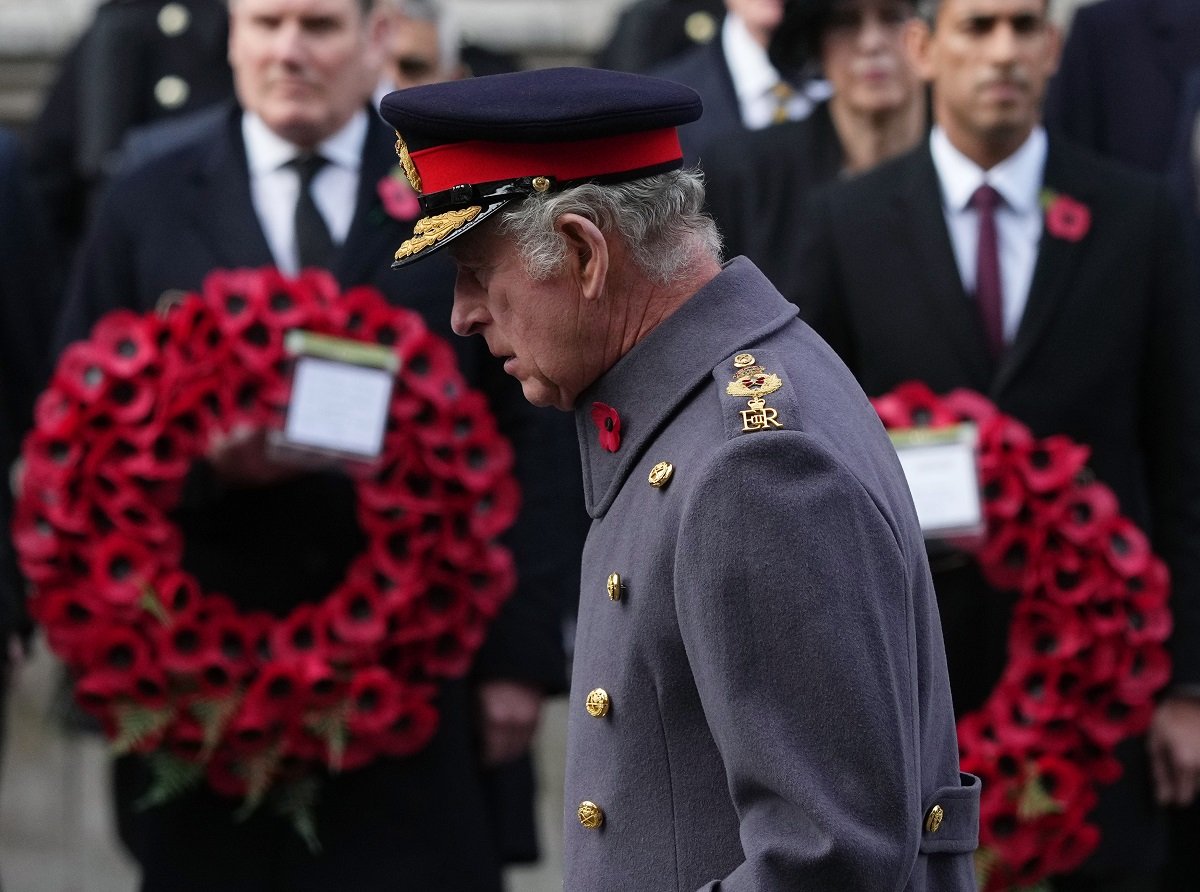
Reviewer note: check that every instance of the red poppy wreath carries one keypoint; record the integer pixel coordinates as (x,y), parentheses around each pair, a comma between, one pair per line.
(1085,645)
(252,703)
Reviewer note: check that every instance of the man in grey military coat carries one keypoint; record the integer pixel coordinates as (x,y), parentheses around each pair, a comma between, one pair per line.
(760,699)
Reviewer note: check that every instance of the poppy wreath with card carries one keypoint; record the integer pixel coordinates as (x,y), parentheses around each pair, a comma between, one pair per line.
(1086,651)
(252,703)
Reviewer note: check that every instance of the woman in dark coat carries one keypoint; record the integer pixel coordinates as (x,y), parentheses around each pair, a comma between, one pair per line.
(757,185)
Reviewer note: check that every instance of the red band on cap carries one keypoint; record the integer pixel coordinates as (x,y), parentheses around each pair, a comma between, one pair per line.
(443,167)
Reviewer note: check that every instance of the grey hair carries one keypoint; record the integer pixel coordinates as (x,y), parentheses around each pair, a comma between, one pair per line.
(661,218)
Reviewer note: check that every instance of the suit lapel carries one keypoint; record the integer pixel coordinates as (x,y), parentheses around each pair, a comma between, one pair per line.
(1057,260)
(223,209)
(374,236)
(921,223)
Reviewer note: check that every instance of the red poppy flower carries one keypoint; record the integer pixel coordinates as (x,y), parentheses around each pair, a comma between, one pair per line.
(1046,629)
(1108,720)
(1126,548)
(412,729)
(1083,512)
(186,646)
(1050,464)
(97,691)
(430,365)
(1067,218)
(120,650)
(1143,673)
(398,197)
(70,618)
(1071,577)
(121,569)
(1008,557)
(374,701)
(1147,614)
(968,405)
(608,426)
(322,686)
(126,342)
(356,615)
(300,634)
(80,374)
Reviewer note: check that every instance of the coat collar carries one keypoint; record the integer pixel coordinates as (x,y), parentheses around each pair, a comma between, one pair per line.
(733,311)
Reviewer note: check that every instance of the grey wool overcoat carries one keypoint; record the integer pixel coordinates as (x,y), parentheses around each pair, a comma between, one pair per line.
(759,698)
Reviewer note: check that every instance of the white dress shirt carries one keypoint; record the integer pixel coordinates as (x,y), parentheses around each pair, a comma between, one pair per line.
(754,79)
(274,185)
(1018,179)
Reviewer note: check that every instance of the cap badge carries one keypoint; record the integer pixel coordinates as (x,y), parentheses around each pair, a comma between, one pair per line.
(428,231)
(406,162)
(755,382)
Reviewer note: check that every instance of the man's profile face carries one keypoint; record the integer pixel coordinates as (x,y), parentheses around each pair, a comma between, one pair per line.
(989,61)
(538,327)
(304,66)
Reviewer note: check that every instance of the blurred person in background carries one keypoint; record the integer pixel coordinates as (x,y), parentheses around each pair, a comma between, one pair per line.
(649,32)
(138,61)
(741,88)
(943,266)
(757,186)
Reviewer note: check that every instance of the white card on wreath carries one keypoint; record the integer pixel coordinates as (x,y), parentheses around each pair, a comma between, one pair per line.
(943,475)
(341,391)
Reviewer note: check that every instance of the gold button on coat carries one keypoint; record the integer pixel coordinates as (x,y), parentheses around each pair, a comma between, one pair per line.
(591,816)
(598,703)
(614,587)
(174,19)
(933,821)
(171,91)
(660,474)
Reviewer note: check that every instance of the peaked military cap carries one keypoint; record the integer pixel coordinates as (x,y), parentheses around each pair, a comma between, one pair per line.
(470,147)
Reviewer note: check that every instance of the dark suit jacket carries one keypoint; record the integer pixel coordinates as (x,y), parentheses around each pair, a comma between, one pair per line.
(757,186)
(705,70)
(649,32)
(1105,354)
(163,226)
(1118,88)
(106,85)
(26,317)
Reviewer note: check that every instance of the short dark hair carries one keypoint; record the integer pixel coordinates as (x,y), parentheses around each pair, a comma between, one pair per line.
(928,9)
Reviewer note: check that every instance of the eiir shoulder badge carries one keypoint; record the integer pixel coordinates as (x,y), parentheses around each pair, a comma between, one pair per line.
(754,381)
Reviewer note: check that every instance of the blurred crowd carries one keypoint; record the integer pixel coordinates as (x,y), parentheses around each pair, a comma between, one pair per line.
(187,136)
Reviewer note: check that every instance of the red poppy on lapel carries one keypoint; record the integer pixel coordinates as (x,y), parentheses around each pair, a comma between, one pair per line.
(398,197)
(608,424)
(1066,218)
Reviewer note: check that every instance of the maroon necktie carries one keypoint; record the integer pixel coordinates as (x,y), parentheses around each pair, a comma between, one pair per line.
(988,295)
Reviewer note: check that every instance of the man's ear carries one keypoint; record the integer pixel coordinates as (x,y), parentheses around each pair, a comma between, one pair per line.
(918,43)
(587,253)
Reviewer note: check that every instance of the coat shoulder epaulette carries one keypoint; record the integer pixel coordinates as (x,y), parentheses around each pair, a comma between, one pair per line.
(755,393)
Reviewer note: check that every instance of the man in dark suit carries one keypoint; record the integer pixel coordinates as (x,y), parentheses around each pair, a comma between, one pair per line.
(1119,87)
(740,87)
(1087,331)
(230,196)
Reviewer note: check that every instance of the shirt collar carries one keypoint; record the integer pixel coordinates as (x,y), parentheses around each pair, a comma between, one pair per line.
(1018,178)
(266,151)
(752,73)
